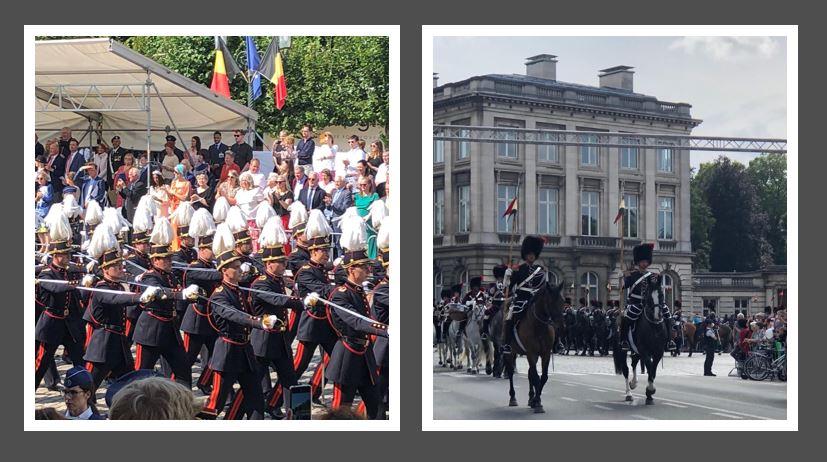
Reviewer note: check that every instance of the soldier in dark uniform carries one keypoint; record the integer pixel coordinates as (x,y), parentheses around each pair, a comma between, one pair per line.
(250,267)
(495,294)
(514,280)
(353,365)
(314,329)
(440,317)
(195,324)
(231,315)
(138,261)
(61,321)
(475,296)
(635,284)
(108,351)
(380,311)
(270,345)
(156,334)
(584,328)
(710,345)
(298,258)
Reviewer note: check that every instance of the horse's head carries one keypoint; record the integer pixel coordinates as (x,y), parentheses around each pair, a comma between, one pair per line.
(553,305)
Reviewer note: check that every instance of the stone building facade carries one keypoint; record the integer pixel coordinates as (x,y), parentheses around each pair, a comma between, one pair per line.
(745,292)
(569,194)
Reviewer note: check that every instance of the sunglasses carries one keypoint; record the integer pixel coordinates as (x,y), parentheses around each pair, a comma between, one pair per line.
(72,392)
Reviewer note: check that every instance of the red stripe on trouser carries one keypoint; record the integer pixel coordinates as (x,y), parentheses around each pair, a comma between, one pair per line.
(298,358)
(337,396)
(275,398)
(205,376)
(216,389)
(41,350)
(186,342)
(239,398)
(89,331)
(137,356)
(362,410)
(317,376)
(89,366)
(128,329)
(291,320)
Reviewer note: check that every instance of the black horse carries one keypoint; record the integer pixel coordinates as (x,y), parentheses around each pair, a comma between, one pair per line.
(536,336)
(648,339)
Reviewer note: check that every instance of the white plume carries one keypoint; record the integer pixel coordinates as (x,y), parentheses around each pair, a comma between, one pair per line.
(70,206)
(112,220)
(236,219)
(202,223)
(350,212)
(58,224)
(220,209)
(317,225)
(272,234)
(142,221)
(354,234)
(383,238)
(161,232)
(102,241)
(378,211)
(263,213)
(183,214)
(146,202)
(94,214)
(298,214)
(223,240)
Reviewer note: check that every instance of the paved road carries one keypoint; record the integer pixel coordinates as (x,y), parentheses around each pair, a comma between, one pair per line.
(586,388)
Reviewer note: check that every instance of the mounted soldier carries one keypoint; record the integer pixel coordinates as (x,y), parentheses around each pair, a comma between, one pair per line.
(520,284)
(497,297)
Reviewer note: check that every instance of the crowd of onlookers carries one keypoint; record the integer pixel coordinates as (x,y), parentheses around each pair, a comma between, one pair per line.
(315,172)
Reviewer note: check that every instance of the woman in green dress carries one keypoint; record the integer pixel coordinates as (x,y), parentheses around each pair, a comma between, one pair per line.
(362,201)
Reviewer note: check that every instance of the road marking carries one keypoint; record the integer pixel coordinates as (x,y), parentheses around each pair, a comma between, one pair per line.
(638,416)
(568,384)
(605,408)
(597,389)
(728,416)
(568,399)
(675,405)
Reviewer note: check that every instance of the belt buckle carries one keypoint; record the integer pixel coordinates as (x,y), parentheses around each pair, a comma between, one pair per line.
(66,312)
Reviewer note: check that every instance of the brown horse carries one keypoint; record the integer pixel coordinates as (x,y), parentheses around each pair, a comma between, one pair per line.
(725,335)
(535,337)
(689,336)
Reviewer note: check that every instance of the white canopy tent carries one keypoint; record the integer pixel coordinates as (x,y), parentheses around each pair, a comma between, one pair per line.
(103,88)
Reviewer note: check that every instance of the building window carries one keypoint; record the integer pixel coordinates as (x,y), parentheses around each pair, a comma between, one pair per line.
(628,155)
(668,290)
(507,150)
(505,194)
(589,213)
(589,287)
(630,218)
(709,303)
(439,151)
(464,148)
(438,284)
(742,305)
(664,156)
(547,213)
(665,213)
(464,209)
(547,152)
(463,279)
(439,212)
(588,154)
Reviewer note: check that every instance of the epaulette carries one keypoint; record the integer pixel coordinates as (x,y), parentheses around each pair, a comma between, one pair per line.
(342,289)
(219,289)
(262,278)
(305,266)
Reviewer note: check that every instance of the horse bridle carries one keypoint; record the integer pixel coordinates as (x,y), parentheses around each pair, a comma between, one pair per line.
(548,321)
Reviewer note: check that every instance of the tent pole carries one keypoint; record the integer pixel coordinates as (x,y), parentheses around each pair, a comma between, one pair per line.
(169,115)
(148,130)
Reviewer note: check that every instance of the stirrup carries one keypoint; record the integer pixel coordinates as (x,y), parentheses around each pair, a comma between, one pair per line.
(505,349)
(671,346)
(484,336)
(624,345)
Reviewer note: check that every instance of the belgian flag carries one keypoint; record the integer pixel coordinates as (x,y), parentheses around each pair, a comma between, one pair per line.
(272,69)
(225,69)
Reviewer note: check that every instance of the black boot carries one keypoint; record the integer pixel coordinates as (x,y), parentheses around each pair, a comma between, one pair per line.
(485,328)
(508,336)
(670,345)
(624,333)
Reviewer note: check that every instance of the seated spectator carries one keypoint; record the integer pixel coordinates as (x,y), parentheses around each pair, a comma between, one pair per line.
(382,175)
(44,195)
(326,181)
(229,166)
(299,180)
(230,187)
(154,398)
(203,194)
(259,181)
(79,396)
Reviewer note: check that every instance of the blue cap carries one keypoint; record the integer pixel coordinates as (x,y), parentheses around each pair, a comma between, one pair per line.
(78,377)
(125,380)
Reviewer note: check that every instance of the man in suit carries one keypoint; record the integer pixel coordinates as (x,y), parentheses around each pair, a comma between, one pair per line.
(312,196)
(305,148)
(38,148)
(216,154)
(131,193)
(92,187)
(335,205)
(75,159)
(63,142)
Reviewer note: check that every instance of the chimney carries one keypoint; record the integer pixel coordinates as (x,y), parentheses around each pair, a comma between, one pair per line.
(618,77)
(436,78)
(542,66)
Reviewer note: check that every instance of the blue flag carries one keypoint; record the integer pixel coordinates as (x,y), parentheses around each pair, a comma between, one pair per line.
(252,64)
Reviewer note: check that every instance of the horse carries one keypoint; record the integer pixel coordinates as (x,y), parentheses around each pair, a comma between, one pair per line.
(725,335)
(454,345)
(689,335)
(677,337)
(535,337)
(647,339)
(472,340)
(495,328)
(442,335)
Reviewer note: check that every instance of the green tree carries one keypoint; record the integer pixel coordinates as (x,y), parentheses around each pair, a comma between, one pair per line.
(702,221)
(768,174)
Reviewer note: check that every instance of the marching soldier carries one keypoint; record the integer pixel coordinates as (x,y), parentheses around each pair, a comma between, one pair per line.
(514,281)
(60,322)
(156,333)
(298,258)
(138,262)
(231,314)
(314,329)
(271,346)
(353,365)
(250,268)
(380,310)
(195,324)
(637,284)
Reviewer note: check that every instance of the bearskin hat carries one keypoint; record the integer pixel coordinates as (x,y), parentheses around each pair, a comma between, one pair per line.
(499,271)
(643,252)
(531,244)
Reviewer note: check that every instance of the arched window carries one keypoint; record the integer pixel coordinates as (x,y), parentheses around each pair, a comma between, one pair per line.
(668,290)
(589,287)
(438,284)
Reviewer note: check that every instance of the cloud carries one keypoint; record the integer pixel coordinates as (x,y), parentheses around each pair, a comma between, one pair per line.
(729,48)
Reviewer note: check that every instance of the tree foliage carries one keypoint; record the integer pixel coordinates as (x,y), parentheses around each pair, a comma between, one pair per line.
(768,174)
(702,222)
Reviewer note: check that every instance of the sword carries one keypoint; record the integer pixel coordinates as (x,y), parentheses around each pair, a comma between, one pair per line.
(136,265)
(79,287)
(375,323)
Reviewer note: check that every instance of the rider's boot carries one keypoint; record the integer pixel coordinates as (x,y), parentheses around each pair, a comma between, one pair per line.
(485,328)
(508,333)
(624,333)
(670,345)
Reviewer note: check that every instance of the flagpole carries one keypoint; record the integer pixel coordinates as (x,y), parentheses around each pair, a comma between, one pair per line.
(513,230)
(622,246)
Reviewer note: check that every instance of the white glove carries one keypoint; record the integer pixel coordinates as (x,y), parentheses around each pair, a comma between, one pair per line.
(87,280)
(269,321)
(90,267)
(191,292)
(245,267)
(148,295)
(500,286)
(469,303)
(44,259)
(311,299)
(508,273)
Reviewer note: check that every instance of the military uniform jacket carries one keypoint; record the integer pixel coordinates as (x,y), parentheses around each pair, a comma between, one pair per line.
(108,313)
(154,326)
(257,267)
(298,258)
(195,320)
(380,309)
(142,260)
(267,343)
(638,287)
(524,271)
(231,315)
(184,256)
(62,308)
(478,296)
(497,297)
(352,362)
(313,325)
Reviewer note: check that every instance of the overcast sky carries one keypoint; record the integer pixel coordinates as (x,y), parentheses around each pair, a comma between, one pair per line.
(736,85)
